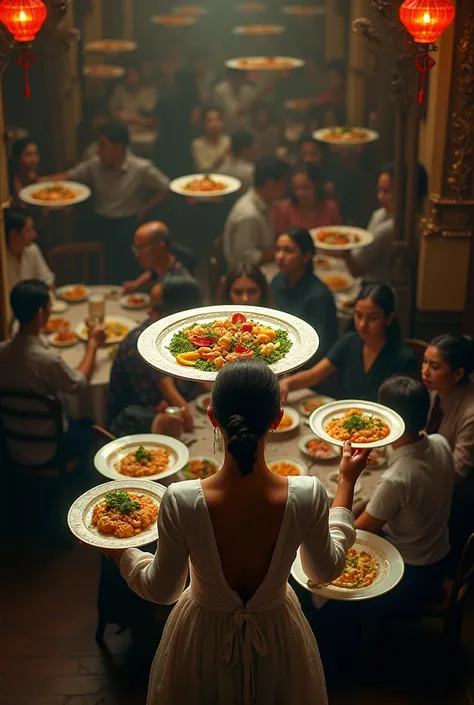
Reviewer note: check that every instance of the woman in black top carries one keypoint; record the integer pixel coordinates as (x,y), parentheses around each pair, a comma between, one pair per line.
(297,290)
(365,357)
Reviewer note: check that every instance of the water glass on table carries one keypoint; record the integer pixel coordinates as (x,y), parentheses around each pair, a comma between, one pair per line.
(96,303)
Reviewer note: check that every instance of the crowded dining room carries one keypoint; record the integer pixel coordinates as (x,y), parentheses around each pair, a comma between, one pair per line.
(237,352)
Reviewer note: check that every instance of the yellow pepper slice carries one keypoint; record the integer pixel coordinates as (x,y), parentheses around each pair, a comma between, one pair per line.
(187,359)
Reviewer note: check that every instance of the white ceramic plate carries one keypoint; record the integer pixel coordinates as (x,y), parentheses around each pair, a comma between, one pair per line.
(301,467)
(391,569)
(303,10)
(173,20)
(108,457)
(202,401)
(295,420)
(58,344)
(61,293)
(210,459)
(79,517)
(110,46)
(318,399)
(322,416)
(322,135)
(81,328)
(153,343)
(259,30)
(335,451)
(103,71)
(364,238)
(82,194)
(179,186)
(254,63)
(58,306)
(126,302)
(189,10)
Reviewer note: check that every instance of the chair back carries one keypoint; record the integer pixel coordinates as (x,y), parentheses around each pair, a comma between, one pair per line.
(419,348)
(464,572)
(78,262)
(21,408)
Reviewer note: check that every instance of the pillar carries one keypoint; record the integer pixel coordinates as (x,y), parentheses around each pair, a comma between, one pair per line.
(336,29)
(128,21)
(357,70)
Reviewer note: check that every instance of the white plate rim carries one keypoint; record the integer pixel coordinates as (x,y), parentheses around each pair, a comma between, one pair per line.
(142,439)
(118,72)
(276,29)
(84,193)
(108,319)
(303,349)
(234,63)
(134,307)
(60,293)
(158,20)
(291,460)
(54,344)
(318,419)
(295,418)
(128,46)
(314,395)
(309,436)
(372,136)
(58,306)
(177,185)
(396,570)
(366,238)
(94,496)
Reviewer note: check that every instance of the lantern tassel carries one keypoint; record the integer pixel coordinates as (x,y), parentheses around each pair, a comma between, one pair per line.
(25,61)
(423,63)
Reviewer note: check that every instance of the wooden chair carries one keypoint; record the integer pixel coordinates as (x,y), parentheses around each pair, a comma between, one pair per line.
(82,262)
(418,347)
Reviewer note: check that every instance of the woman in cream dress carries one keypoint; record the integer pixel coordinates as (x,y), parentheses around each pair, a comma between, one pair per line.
(237,635)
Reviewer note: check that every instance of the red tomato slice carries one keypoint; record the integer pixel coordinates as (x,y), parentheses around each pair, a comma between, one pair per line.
(247,327)
(243,350)
(199,342)
(238,318)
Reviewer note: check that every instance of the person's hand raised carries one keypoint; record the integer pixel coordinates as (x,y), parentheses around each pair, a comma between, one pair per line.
(97,335)
(353,462)
(284,390)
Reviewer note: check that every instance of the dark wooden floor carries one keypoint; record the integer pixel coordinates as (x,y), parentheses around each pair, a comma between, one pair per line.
(48,655)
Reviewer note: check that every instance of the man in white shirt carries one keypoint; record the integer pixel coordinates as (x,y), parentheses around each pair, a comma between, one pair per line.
(133,102)
(248,233)
(412,502)
(27,365)
(211,149)
(240,163)
(24,258)
(236,97)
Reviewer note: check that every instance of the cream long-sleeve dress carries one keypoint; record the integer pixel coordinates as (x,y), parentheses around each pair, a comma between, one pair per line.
(215,649)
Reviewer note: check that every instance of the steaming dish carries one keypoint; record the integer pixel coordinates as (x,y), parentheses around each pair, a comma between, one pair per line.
(358,427)
(54,194)
(265,62)
(142,462)
(360,571)
(345,134)
(286,469)
(206,184)
(336,282)
(56,324)
(210,346)
(124,514)
(74,293)
(336,237)
(319,449)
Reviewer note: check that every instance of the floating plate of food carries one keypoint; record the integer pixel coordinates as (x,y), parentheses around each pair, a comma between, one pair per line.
(116,329)
(73,293)
(200,467)
(110,46)
(338,282)
(202,401)
(364,423)
(135,301)
(205,185)
(146,456)
(190,10)
(250,7)
(287,467)
(55,194)
(317,449)
(307,406)
(346,136)
(373,567)
(196,344)
(173,20)
(341,237)
(265,63)
(303,10)
(103,71)
(120,514)
(290,420)
(55,324)
(63,339)
(259,30)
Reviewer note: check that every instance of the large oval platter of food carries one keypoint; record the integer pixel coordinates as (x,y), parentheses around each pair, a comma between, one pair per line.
(364,423)
(205,185)
(373,567)
(265,63)
(346,136)
(120,514)
(196,344)
(55,194)
(341,237)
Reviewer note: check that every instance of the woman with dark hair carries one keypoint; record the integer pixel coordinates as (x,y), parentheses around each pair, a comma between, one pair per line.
(365,357)
(24,163)
(245,284)
(298,290)
(237,634)
(307,206)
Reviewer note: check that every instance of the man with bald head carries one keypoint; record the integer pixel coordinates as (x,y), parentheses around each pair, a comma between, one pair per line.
(152,248)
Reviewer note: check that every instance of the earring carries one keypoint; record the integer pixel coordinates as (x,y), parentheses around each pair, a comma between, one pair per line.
(216,440)
(270,434)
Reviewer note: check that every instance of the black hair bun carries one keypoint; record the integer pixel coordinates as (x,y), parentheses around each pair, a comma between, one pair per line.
(242,443)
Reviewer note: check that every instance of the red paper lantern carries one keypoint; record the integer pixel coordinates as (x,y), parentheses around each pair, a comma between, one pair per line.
(23,18)
(426,20)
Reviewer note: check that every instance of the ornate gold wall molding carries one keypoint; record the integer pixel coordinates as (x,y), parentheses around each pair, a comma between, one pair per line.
(449,217)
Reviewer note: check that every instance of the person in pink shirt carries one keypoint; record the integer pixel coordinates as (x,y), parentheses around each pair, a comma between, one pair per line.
(307,207)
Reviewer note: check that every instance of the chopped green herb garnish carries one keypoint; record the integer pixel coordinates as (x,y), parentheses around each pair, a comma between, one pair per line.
(142,455)
(357,423)
(120,500)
